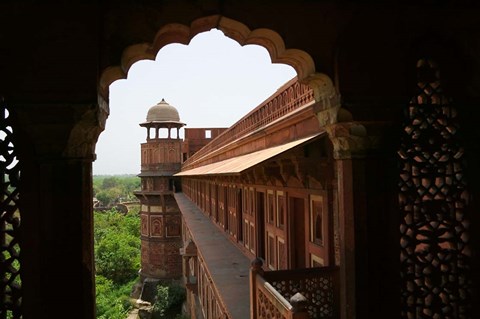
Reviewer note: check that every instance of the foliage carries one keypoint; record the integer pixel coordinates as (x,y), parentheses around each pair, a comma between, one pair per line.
(161,302)
(112,221)
(112,300)
(117,260)
(117,245)
(169,297)
(114,189)
(115,257)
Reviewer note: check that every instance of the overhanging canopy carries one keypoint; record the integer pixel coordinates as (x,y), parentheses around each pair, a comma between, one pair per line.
(238,164)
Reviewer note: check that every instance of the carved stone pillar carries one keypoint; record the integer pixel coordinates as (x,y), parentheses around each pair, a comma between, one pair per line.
(365,188)
(347,144)
(350,143)
(56,150)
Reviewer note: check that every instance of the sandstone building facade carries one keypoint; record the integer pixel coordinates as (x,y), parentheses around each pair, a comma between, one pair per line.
(268,188)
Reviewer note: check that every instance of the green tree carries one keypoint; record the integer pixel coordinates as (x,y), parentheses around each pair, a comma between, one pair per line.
(168,300)
(113,221)
(117,256)
(110,182)
(117,260)
(109,196)
(112,189)
(112,300)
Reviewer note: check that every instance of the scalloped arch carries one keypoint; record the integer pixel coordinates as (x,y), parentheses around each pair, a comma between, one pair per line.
(300,60)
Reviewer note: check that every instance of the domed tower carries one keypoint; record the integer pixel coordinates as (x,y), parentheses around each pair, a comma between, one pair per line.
(160,215)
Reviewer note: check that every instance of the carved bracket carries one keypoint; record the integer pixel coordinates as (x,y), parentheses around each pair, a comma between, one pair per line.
(273,172)
(310,172)
(287,170)
(350,140)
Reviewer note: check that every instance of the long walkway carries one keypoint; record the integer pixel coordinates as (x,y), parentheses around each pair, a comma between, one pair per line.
(228,267)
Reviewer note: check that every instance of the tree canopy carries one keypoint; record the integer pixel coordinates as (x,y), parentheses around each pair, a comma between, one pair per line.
(110,190)
(117,261)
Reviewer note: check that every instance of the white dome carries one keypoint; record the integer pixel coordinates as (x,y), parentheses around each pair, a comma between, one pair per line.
(163,112)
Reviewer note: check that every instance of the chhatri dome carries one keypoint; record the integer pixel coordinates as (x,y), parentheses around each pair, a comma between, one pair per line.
(163,113)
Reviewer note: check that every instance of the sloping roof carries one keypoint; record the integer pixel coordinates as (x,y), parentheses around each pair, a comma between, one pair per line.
(236,165)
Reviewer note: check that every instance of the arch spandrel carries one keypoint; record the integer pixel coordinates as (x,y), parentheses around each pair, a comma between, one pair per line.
(300,60)
(171,33)
(135,53)
(233,29)
(109,75)
(204,24)
(268,39)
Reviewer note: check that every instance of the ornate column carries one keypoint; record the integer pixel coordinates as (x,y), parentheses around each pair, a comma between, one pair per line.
(363,222)
(348,141)
(55,152)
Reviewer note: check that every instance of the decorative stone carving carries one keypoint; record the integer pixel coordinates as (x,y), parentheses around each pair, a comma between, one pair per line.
(173,226)
(273,174)
(10,231)
(349,139)
(435,255)
(287,170)
(156,226)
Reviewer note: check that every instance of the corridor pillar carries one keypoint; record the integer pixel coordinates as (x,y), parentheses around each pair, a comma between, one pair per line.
(366,220)
(55,146)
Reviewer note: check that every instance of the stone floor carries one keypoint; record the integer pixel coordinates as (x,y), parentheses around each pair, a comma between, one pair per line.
(228,266)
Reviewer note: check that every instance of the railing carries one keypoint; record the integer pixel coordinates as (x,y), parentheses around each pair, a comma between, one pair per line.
(290,97)
(294,294)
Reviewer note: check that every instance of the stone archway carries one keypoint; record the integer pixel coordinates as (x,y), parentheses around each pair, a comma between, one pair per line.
(300,60)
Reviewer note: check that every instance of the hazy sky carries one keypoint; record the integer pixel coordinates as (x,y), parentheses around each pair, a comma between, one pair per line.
(212,82)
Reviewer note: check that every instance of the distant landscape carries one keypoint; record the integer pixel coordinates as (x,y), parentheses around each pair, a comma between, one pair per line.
(113,189)
(117,245)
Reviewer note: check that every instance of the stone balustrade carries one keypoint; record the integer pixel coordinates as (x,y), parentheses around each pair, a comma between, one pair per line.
(289,98)
(293,294)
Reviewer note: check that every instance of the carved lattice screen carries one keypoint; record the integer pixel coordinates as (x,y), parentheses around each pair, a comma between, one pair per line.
(432,195)
(10,283)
